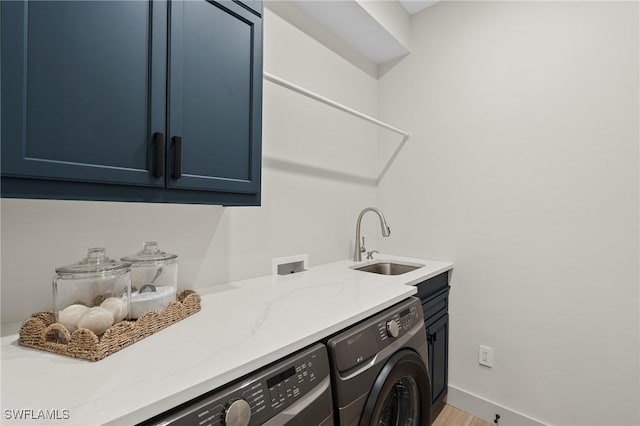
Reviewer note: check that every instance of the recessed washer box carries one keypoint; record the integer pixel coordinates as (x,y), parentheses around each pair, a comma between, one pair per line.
(290,264)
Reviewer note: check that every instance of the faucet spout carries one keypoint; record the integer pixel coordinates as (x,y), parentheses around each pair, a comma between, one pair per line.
(386,231)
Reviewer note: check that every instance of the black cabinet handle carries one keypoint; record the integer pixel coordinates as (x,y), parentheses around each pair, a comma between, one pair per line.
(158,140)
(177,157)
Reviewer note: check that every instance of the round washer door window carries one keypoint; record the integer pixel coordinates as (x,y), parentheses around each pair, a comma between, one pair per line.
(402,404)
(401,394)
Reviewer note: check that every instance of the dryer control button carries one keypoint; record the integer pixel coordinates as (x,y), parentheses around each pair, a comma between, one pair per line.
(393,329)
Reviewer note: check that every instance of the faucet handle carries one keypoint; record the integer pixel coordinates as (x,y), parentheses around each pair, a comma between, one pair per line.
(370,254)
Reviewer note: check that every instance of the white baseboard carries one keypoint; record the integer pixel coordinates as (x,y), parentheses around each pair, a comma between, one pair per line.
(487,410)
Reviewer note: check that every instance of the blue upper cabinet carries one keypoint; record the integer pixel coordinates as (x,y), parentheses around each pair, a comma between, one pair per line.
(253,5)
(79,102)
(214,107)
(90,91)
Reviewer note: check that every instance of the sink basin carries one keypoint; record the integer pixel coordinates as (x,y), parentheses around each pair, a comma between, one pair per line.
(385,267)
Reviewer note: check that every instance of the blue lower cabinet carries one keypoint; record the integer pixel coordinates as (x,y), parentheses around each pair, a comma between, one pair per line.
(434,294)
(438,344)
(89,94)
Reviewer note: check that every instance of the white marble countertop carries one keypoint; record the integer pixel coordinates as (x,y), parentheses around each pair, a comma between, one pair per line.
(243,325)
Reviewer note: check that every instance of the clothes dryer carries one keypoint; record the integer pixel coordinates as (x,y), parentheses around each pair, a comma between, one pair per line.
(294,391)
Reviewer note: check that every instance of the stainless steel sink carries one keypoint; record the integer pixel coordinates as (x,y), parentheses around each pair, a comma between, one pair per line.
(388,267)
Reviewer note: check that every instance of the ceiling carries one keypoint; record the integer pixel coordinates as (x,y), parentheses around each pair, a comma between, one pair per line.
(415,6)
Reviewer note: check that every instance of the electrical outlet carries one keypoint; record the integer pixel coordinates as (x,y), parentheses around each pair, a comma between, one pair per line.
(485,356)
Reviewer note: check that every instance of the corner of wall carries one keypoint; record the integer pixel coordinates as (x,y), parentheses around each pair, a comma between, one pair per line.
(487,410)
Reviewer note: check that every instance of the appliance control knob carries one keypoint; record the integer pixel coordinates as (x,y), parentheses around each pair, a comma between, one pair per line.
(393,329)
(237,413)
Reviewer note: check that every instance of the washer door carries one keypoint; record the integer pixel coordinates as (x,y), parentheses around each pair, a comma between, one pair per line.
(401,394)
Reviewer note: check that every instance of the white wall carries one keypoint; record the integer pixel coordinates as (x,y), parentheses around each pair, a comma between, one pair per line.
(523,170)
(316,178)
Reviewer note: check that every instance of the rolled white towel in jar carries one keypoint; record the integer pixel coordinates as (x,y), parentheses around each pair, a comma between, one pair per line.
(117,306)
(70,316)
(96,319)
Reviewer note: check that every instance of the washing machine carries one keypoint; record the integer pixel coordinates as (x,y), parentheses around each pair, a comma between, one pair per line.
(295,391)
(379,369)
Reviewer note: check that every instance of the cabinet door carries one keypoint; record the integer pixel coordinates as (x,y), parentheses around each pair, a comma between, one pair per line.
(215,97)
(79,100)
(255,5)
(438,343)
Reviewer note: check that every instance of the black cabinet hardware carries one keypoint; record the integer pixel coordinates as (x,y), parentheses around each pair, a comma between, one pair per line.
(177,157)
(158,140)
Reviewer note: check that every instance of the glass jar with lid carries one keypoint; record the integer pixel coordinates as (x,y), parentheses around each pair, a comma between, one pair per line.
(154,279)
(93,293)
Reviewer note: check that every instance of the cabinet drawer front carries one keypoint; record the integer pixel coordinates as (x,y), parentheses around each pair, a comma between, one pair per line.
(428,288)
(78,100)
(436,306)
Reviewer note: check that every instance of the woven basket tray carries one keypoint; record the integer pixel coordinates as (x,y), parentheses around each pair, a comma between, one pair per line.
(42,332)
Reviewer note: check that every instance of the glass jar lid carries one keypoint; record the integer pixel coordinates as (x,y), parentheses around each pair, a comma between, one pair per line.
(96,262)
(150,254)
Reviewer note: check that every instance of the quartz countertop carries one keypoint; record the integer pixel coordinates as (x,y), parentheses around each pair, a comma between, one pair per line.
(243,326)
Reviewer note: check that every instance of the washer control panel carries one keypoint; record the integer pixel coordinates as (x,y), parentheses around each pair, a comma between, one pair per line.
(360,343)
(399,323)
(258,398)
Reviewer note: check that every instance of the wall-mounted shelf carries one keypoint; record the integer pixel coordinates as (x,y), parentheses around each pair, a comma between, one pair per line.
(308,93)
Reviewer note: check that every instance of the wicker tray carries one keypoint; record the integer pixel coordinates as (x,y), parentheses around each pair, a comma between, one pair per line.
(41,331)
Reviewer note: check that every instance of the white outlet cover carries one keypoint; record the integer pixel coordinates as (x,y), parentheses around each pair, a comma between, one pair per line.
(485,356)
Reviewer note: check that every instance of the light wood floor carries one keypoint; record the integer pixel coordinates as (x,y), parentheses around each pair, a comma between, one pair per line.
(451,416)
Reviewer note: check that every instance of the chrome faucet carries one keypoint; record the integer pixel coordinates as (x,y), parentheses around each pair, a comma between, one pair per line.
(359,249)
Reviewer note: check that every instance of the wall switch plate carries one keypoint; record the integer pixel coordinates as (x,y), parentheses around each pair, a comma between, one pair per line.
(485,356)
